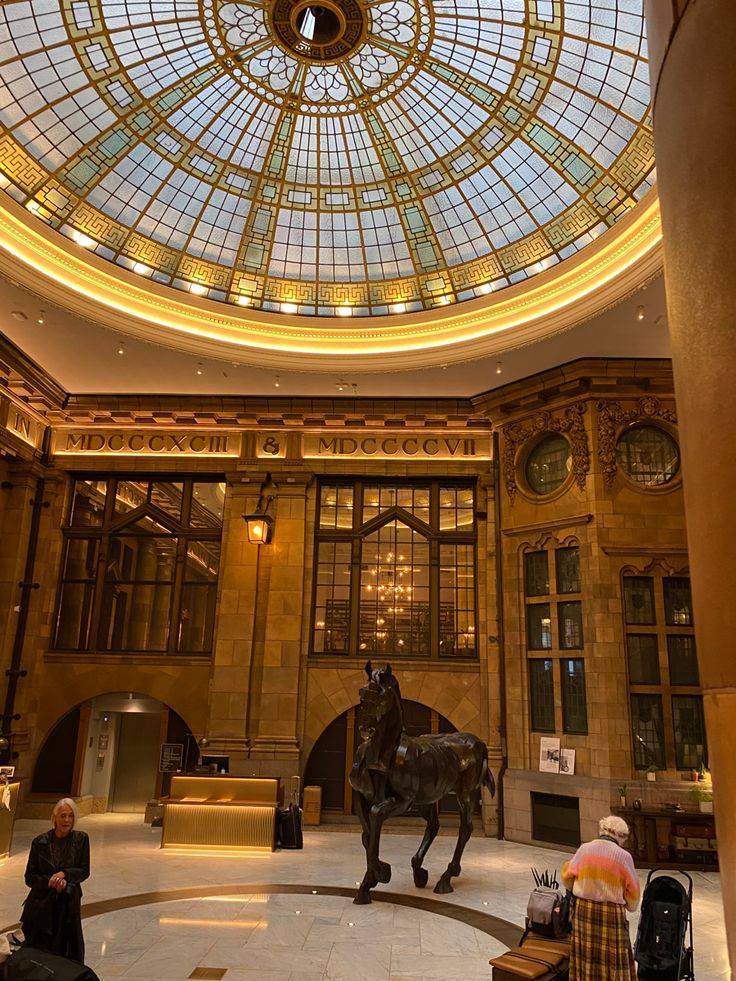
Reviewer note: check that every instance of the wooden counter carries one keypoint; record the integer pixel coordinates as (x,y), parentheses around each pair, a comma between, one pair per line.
(671,839)
(7,818)
(223,812)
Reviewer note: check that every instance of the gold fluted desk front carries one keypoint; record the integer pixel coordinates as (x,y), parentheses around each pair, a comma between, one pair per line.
(228,813)
(8,803)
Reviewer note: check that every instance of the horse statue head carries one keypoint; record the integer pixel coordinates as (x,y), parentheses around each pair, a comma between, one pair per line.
(379,700)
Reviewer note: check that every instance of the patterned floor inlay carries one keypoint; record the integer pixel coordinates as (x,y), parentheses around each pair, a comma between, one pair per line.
(208,974)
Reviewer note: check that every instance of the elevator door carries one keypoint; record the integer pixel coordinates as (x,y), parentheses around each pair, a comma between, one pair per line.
(137,761)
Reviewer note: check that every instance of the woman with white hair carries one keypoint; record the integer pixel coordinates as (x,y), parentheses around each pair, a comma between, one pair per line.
(602,878)
(58,862)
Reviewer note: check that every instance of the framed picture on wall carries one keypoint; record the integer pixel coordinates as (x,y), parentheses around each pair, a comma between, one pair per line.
(549,754)
(8,772)
(567,761)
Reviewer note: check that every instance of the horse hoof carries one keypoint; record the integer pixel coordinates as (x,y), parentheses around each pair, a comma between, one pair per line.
(384,872)
(443,887)
(420,878)
(362,899)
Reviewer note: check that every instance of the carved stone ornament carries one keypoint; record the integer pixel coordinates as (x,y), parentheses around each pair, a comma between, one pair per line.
(570,423)
(612,419)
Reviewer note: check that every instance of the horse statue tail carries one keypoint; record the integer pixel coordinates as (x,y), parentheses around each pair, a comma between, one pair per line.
(488,781)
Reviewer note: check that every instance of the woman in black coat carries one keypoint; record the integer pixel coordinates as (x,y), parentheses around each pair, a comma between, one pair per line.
(57,864)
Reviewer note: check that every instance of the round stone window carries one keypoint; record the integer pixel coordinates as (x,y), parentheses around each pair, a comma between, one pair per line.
(548,464)
(649,455)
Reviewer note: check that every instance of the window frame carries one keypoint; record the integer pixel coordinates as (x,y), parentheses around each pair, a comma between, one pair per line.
(115,527)
(360,531)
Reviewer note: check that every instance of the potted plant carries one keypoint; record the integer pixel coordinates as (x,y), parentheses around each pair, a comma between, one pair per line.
(703,798)
(622,794)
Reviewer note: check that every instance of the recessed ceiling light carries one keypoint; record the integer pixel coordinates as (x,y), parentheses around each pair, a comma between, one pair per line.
(640,313)
(499,367)
(121,349)
(277,382)
(41,317)
(200,369)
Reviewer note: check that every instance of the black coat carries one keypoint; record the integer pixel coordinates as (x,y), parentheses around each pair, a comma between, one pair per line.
(53,921)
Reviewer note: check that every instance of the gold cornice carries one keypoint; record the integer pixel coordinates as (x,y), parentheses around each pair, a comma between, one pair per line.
(622,260)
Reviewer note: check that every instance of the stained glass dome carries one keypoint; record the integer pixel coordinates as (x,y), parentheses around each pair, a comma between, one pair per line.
(330,157)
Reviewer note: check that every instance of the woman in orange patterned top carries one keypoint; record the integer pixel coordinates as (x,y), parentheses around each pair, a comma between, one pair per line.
(602,878)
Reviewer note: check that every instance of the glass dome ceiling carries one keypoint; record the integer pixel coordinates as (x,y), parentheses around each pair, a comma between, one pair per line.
(332,157)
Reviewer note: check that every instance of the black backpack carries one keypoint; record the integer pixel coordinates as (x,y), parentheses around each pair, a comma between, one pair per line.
(29,964)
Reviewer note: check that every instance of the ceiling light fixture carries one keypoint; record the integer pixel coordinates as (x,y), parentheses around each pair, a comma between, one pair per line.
(499,367)
(200,369)
(640,313)
(277,382)
(341,385)
(121,348)
(41,317)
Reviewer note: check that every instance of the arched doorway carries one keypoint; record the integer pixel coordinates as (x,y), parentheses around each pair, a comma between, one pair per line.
(107,750)
(329,762)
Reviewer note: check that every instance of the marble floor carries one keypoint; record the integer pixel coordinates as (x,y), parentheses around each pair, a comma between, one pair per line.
(153,915)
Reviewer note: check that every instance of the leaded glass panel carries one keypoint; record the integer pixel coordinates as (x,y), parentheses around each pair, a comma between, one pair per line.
(643,651)
(574,707)
(677,601)
(687,717)
(538,627)
(639,600)
(649,455)
(682,660)
(570,623)
(567,566)
(541,695)
(548,464)
(536,573)
(648,731)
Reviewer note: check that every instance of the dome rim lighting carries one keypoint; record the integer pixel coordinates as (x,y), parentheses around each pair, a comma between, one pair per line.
(619,262)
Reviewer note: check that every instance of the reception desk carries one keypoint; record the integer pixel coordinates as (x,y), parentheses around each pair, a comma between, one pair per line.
(7,817)
(222,812)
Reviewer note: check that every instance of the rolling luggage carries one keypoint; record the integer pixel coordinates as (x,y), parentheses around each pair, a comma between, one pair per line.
(289,827)
(29,964)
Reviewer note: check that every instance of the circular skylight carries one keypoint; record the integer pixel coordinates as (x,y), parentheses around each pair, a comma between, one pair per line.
(341,157)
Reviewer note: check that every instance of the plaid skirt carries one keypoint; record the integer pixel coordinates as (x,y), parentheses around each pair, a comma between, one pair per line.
(601,948)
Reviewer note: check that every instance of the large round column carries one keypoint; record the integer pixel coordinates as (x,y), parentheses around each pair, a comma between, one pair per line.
(694,84)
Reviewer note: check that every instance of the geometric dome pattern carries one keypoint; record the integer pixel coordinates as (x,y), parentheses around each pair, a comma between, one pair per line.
(334,158)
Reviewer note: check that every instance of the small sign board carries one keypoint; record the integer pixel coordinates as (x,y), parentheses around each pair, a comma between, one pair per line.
(171,758)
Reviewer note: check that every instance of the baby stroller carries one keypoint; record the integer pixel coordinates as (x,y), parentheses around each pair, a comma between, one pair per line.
(666,925)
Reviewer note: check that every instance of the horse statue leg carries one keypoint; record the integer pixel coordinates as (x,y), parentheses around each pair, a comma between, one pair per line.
(430,813)
(377,871)
(466,806)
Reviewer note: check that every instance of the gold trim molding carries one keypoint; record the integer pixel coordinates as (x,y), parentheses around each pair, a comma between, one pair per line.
(622,260)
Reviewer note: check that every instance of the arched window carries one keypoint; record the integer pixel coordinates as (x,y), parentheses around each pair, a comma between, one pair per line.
(395,570)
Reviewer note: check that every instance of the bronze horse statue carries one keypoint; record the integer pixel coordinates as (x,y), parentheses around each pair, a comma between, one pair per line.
(391,771)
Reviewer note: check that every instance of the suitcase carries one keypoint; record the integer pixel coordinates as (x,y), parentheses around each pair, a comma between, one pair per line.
(289,827)
(29,964)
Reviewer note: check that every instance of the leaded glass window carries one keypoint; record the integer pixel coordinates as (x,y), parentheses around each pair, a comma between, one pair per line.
(395,575)
(648,730)
(548,464)
(639,599)
(567,564)
(687,718)
(539,627)
(541,695)
(570,622)
(536,573)
(574,708)
(660,643)
(140,567)
(649,455)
